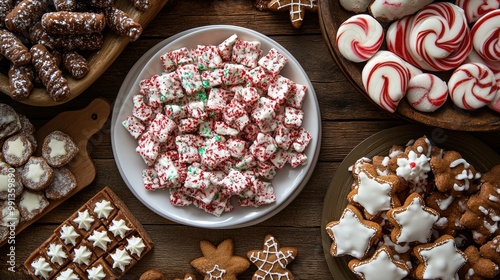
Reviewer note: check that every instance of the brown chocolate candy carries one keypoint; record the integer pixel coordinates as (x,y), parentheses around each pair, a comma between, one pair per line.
(66,23)
(20,81)
(121,23)
(13,49)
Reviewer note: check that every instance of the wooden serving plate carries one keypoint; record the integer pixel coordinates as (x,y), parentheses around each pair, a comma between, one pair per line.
(99,61)
(331,15)
(81,125)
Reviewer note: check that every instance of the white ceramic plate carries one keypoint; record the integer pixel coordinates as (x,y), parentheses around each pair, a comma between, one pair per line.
(288,183)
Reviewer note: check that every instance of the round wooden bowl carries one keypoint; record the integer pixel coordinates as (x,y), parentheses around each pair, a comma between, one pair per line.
(99,61)
(331,16)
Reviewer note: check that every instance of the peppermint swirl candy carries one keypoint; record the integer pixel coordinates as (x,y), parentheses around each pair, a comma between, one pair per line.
(440,37)
(475,9)
(472,86)
(426,92)
(486,36)
(495,68)
(397,39)
(385,78)
(359,37)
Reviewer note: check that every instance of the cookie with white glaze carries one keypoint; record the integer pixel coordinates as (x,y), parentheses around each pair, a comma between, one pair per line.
(9,179)
(31,203)
(36,174)
(382,262)
(352,234)
(58,149)
(17,149)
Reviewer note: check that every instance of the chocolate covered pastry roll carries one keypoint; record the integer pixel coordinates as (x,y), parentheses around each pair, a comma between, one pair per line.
(76,64)
(65,23)
(121,23)
(25,14)
(5,7)
(20,81)
(49,73)
(91,41)
(13,49)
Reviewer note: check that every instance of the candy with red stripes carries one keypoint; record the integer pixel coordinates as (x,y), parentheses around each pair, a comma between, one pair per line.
(472,86)
(485,36)
(426,92)
(359,37)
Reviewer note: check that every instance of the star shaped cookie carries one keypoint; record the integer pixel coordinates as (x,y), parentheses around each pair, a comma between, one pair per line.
(297,9)
(219,262)
(272,260)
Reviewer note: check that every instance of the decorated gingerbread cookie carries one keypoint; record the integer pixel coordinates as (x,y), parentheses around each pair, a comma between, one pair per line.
(483,213)
(272,260)
(478,266)
(297,9)
(413,221)
(382,262)
(373,192)
(352,234)
(454,174)
(219,262)
(450,209)
(440,259)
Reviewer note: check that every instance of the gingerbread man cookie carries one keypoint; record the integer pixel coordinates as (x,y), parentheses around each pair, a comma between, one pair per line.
(272,260)
(219,262)
(297,9)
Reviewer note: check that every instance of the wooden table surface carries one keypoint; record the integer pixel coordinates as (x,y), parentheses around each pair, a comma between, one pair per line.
(347,119)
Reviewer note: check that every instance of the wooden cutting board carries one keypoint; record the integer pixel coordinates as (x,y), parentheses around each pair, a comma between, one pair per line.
(81,125)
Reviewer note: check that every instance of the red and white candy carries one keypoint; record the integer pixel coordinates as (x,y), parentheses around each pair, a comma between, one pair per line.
(385,78)
(359,37)
(472,86)
(440,37)
(426,92)
(486,36)
(474,9)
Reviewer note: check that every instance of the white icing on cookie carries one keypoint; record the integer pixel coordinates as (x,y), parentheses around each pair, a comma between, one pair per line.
(41,268)
(16,148)
(135,245)
(380,264)
(100,239)
(416,223)
(103,209)
(56,253)
(120,259)
(84,220)
(31,201)
(413,169)
(82,255)
(119,228)
(96,273)
(372,195)
(57,148)
(351,236)
(69,235)
(35,172)
(442,261)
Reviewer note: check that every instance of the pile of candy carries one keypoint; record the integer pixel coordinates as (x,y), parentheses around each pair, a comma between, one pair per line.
(441,36)
(218,122)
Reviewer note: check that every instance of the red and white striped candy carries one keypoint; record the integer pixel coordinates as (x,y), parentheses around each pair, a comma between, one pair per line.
(397,38)
(472,86)
(486,36)
(426,92)
(440,36)
(385,78)
(359,37)
(474,9)
(495,103)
